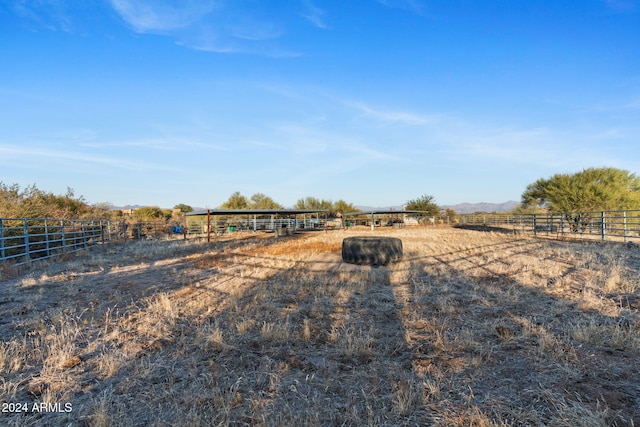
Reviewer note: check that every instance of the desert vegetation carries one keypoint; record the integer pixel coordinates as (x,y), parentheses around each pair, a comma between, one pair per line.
(471,328)
(592,189)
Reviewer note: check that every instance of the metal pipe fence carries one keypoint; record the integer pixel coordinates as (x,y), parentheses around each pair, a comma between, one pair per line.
(28,239)
(219,226)
(25,239)
(619,225)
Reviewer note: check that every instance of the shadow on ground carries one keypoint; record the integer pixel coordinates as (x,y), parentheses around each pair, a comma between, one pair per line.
(449,336)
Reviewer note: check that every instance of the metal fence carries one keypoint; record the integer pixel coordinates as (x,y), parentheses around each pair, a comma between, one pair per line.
(602,225)
(153,230)
(26,239)
(219,226)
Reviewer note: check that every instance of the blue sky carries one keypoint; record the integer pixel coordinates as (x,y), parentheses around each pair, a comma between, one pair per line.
(376,102)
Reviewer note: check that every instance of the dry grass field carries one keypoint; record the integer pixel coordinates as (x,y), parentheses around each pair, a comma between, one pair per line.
(471,329)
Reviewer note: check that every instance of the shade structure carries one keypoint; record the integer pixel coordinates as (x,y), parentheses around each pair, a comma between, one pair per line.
(257,212)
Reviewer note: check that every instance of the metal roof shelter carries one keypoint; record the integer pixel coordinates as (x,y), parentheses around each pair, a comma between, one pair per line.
(386,212)
(275,213)
(257,212)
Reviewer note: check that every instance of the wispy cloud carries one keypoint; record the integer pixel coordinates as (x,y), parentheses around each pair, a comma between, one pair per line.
(397,116)
(49,14)
(33,154)
(540,148)
(373,154)
(221,26)
(264,145)
(162,16)
(303,139)
(149,144)
(314,14)
(175,143)
(463,140)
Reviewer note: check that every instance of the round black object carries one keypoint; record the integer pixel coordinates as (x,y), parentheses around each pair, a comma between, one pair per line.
(371,250)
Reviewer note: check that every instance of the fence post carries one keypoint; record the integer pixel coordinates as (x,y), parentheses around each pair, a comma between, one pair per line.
(46,237)
(1,240)
(62,235)
(185,229)
(562,224)
(624,226)
(602,225)
(25,231)
(535,230)
(580,225)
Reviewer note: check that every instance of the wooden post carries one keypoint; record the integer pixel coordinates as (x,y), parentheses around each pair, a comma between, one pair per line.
(208,225)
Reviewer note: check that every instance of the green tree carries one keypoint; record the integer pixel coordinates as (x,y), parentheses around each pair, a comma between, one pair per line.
(149,213)
(449,214)
(523,210)
(103,210)
(592,189)
(343,207)
(261,201)
(423,203)
(31,202)
(310,203)
(67,206)
(313,203)
(10,200)
(183,208)
(235,201)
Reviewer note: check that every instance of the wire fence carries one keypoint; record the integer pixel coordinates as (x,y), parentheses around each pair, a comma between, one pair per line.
(601,225)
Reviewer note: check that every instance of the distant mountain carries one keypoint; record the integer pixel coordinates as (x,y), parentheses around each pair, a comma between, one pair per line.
(467,208)
(119,208)
(461,208)
(385,208)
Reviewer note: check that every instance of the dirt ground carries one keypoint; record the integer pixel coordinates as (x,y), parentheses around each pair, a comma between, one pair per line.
(471,328)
